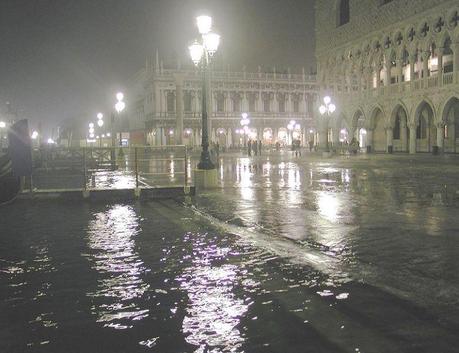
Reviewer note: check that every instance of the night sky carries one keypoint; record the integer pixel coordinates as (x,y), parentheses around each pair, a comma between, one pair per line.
(65,59)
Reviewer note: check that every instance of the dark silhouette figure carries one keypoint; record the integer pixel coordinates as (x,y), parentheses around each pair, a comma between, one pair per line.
(259,147)
(249,148)
(255,147)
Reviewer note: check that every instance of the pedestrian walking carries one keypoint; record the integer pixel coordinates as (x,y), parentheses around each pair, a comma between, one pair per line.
(255,147)
(249,148)
(259,147)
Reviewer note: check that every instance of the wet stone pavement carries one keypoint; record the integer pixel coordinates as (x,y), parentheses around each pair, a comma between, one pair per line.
(291,254)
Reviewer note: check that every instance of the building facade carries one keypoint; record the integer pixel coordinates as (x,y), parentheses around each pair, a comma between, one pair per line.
(392,68)
(167,106)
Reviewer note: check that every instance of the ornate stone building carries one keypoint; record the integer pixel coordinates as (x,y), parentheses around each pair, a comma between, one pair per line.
(167,106)
(392,68)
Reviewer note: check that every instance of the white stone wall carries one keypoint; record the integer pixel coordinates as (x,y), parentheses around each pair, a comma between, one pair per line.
(367,17)
(398,58)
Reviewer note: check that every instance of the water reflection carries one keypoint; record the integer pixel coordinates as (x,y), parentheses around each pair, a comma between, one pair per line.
(113,180)
(328,205)
(214,311)
(111,238)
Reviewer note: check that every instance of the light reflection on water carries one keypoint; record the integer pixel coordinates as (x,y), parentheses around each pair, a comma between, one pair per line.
(111,238)
(113,180)
(214,311)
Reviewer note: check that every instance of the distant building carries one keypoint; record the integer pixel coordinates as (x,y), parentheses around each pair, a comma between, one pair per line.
(392,68)
(160,99)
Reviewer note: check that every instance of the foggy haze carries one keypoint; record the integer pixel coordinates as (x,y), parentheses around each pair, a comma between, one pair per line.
(64,59)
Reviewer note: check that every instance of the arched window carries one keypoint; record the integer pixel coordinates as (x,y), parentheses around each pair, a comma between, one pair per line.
(220,103)
(236,103)
(266,104)
(251,102)
(187,101)
(343,12)
(170,102)
(397,128)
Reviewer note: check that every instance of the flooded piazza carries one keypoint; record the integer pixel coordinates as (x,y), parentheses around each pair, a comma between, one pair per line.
(320,255)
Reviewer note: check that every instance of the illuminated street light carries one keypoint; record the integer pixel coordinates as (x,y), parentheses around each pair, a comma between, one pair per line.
(119,107)
(2,125)
(200,53)
(34,135)
(50,141)
(326,110)
(100,116)
(204,24)
(100,123)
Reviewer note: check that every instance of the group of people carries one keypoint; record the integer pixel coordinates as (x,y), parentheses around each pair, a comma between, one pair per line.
(254,146)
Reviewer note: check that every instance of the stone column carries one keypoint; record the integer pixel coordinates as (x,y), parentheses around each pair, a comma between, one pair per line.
(378,76)
(229,137)
(403,136)
(213,136)
(164,131)
(369,140)
(412,148)
(440,137)
(179,109)
(244,103)
(440,66)
(258,102)
(455,49)
(412,63)
(399,64)
(425,64)
(390,139)
(322,135)
(388,66)
(335,137)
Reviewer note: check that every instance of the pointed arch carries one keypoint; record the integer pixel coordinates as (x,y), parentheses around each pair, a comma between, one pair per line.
(426,131)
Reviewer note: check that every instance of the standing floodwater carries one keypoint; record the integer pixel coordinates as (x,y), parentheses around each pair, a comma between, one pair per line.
(290,255)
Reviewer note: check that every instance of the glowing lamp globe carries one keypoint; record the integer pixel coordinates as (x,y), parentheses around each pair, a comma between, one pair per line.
(119,96)
(2,124)
(100,116)
(322,109)
(332,108)
(196,51)
(119,106)
(204,24)
(100,123)
(211,42)
(327,100)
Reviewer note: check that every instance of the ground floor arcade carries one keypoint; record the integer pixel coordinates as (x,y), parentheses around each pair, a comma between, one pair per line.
(424,127)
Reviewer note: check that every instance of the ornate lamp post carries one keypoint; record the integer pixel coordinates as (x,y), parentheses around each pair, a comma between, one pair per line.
(245,121)
(201,54)
(100,123)
(119,107)
(326,110)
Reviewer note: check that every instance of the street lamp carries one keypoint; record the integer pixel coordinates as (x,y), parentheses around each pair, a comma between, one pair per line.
(201,53)
(245,121)
(119,107)
(327,109)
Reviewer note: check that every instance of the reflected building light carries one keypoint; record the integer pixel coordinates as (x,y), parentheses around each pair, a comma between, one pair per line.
(214,311)
(111,239)
(328,205)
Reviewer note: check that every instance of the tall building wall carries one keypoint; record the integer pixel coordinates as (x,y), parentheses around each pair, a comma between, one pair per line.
(366,18)
(392,69)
